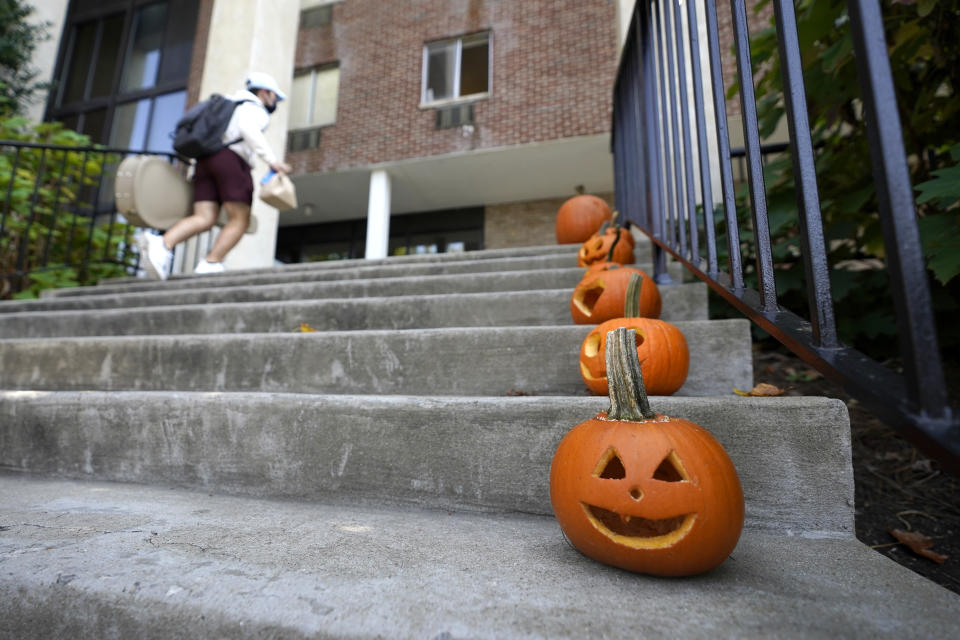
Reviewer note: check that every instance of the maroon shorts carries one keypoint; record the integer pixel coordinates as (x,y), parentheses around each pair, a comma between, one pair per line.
(223,177)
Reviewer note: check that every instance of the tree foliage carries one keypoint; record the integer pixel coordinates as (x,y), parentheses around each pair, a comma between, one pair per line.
(18,39)
(924,55)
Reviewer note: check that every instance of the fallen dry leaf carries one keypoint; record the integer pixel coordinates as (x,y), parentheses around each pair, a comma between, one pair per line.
(304,328)
(919,544)
(761,390)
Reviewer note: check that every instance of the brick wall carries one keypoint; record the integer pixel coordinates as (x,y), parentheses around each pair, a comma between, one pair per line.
(553,66)
(524,224)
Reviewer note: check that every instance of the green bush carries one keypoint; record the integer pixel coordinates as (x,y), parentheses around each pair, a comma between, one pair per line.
(925,61)
(48,225)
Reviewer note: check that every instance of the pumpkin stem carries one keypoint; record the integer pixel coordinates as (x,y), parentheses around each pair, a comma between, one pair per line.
(613,245)
(631,303)
(628,395)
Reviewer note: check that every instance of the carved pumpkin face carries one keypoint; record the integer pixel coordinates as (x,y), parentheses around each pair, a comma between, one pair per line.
(661,348)
(601,293)
(580,217)
(597,248)
(658,496)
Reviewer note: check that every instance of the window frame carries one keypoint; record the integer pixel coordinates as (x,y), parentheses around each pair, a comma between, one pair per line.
(314,71)
(57,109)
(458,99)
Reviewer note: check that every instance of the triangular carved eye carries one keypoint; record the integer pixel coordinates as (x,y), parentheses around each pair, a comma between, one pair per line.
(671,469)
(610,466)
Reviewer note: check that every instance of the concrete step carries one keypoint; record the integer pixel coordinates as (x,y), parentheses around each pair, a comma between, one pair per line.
(453,361)
(525,280)
(642,245)
(356,271)
(461,453)
(507,308)
(92,560)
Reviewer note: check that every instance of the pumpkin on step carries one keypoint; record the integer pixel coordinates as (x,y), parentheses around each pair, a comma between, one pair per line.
(661,348)
(643,491)
(601,295)
(613,244)
(580,217)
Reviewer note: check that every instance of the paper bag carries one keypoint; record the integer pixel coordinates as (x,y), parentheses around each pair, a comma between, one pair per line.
(278,191)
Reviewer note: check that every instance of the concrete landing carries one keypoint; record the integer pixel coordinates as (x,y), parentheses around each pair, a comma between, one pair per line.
(118,561)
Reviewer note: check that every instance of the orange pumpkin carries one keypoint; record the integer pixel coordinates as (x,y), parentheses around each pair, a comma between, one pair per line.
(601,294)
(614,244)
(661,348)
(580,217)
(643,491)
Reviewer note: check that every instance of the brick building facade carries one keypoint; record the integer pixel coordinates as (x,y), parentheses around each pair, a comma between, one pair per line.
(551,69)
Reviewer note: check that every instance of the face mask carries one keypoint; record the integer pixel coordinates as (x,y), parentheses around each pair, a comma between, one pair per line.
(271,108)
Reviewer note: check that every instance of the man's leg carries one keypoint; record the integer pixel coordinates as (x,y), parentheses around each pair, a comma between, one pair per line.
(204,217)
(230,234)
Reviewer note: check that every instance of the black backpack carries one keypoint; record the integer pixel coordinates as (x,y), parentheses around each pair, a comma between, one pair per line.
(199,132)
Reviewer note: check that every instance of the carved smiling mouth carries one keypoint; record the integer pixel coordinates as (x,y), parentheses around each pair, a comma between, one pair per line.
(636,532)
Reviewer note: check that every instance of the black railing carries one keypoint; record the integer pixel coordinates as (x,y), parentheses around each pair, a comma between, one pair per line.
(658,190)
(59,225)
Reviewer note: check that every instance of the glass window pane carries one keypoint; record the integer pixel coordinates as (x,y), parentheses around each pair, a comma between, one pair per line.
(474,71)
(300,101)
(143,59)
(130,123)
(441,62)
(167,109)
(325,97)
(108,57)
(178,48)
(84,39)
(93,124)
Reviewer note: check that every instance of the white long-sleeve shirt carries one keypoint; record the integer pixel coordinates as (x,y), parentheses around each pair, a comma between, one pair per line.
(249,120)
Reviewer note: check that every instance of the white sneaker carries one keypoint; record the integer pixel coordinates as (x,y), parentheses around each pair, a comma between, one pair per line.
(208,267)
(155,258)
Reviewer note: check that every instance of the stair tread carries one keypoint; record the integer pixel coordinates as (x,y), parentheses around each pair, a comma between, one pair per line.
(450,451)
(208,291)
(504,308)
(452,360)
(138,560)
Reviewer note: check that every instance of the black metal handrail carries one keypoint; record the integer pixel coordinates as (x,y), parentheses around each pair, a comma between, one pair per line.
(57,203)
(651,168)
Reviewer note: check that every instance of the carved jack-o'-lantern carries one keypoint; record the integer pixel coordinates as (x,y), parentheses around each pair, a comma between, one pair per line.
(580,217)
(612,244)
(661,348)
(601,294)
(643,491)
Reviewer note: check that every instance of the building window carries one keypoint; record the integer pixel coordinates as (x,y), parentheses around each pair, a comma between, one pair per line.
(316,16)
(313,104)
(456,69)
(122,72)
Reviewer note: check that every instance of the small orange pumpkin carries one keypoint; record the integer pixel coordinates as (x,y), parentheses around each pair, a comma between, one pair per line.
(601,295)
(580,217)
(661,348)
(642,491)
(613,244)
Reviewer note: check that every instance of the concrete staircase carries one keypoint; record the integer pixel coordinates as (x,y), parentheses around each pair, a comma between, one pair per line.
(177,461)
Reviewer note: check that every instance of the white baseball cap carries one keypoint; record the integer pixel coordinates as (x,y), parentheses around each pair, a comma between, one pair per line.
(260,80)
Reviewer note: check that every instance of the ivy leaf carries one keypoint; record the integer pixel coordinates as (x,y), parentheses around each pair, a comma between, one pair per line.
(944,188)
(925,7)
(940,235)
